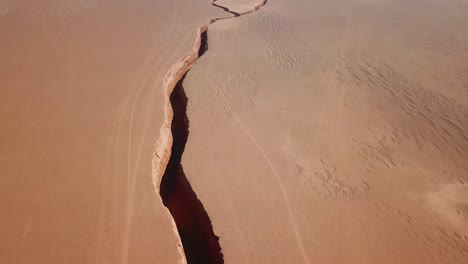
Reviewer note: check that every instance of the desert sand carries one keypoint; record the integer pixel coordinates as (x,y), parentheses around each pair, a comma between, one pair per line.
(234,131)
(333,132)
(81,107)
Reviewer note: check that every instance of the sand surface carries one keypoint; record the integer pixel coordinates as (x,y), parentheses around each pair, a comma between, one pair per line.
(81,105)
(334,132)
(290,132)
(238,6)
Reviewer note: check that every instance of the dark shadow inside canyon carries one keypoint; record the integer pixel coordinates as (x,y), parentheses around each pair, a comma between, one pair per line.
(200,243)
(203,43)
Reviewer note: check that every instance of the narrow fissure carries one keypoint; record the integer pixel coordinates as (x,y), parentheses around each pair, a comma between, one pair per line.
(194,227)
(226,9)
(203,43)
(200,243)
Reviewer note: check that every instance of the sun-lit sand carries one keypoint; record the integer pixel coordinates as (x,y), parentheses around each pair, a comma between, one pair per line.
(81,105)
(234,131)
(334,132)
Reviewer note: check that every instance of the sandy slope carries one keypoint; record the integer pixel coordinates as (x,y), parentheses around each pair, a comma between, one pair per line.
(81,105)
(334,132)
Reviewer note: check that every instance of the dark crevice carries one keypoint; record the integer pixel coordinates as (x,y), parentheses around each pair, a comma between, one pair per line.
(226,9)
(200,243)
(203,43)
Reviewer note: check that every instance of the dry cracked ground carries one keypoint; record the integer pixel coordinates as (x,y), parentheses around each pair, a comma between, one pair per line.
(234,131)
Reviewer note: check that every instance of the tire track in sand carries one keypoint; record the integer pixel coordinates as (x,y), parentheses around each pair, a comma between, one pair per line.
(125,111)
(291,218)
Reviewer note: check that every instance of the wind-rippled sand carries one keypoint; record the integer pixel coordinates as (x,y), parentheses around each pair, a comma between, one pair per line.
(334,132)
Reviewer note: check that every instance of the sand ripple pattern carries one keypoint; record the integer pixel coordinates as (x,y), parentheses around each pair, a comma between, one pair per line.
(433,119)
(322,179)
(279,43)
(239,88)
(439,243)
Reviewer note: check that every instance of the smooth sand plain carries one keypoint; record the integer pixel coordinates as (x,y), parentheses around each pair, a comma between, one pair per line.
(307,131)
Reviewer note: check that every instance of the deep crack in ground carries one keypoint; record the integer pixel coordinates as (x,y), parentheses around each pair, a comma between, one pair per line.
(200,243)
